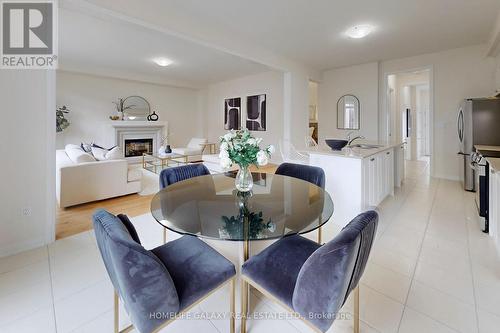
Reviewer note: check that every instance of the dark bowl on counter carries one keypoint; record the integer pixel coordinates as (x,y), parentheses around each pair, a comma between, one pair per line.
(336,144)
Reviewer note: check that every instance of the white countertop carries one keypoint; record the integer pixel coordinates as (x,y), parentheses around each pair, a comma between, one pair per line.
(494,163)
(355,152)
(483,147)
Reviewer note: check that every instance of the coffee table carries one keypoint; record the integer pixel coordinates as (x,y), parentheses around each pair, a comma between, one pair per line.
(156,163)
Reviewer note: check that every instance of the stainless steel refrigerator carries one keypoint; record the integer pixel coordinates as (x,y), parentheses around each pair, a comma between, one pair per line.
(478,124)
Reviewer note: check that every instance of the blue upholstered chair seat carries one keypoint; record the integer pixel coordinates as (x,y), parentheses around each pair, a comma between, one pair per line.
(195,268)
(276,268)
(314,280)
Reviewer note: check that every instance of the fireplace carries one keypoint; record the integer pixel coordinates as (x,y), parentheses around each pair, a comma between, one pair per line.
(137,147)
(138,137)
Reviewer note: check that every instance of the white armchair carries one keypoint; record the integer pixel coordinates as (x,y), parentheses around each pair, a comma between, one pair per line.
(193,150)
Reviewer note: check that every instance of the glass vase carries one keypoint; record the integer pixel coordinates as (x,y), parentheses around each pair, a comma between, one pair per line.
(244,180)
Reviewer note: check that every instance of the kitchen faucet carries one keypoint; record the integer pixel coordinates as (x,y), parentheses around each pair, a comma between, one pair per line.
(350,141)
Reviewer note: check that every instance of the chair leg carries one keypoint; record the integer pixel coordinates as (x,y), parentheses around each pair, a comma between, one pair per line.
(116,312)
(244,306)
(164,235)
(232,306)
(356,310)
(319,235)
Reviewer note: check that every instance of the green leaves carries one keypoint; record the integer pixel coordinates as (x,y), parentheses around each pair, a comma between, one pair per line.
(241,147)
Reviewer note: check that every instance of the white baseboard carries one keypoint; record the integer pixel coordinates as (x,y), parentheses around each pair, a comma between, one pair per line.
(20,247)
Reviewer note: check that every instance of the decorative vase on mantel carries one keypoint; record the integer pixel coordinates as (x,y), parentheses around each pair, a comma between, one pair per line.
(244,179)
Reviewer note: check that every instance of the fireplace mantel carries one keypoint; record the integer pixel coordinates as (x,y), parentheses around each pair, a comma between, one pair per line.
(130,123)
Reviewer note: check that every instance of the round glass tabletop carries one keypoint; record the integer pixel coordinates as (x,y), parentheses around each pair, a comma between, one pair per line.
(210,207)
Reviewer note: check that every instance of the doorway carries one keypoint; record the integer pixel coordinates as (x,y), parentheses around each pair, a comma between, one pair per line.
(409,112)
(312,138)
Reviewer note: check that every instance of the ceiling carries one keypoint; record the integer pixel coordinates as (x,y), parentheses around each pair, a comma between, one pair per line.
(116,48)
(308,32)
(311,32)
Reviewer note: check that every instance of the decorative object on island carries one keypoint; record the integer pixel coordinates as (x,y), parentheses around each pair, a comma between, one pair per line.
(153,116)
(348,112)
(256,113)
(232,113)
(233,227)
(61,122)
(114,117)
(241,148)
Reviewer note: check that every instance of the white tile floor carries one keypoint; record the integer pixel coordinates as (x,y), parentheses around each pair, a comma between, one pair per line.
(431,270)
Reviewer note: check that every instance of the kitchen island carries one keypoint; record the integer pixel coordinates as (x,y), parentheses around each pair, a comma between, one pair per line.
(358,179)
(494,200)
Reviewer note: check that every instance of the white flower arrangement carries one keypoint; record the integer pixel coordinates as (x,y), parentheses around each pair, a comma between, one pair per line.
(240,147)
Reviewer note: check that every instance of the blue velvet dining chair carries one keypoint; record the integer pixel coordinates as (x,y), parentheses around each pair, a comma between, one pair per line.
(308,173)
(311,174)
(171,176)
(158,285)
(310,280)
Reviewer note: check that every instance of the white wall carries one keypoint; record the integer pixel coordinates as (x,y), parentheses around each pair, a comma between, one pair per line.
(27,136)
(269,83)
(457,74)
(90,100)
(497,76)
(360,81)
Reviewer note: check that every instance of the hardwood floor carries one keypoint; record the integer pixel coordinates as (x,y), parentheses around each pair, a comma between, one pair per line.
(77,219)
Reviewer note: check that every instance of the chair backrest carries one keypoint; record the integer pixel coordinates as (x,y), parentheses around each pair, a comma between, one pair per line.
(196,143)
(138,276)
(311,174)
(330,274)
(289,153)
(173,175)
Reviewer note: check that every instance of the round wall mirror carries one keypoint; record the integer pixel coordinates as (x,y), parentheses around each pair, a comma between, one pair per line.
(348,112)
(136,108)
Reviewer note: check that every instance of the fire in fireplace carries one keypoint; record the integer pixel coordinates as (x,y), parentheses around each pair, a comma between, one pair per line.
(137,147)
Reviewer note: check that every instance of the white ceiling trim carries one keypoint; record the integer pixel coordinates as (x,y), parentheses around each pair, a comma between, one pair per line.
(126,76)
(217,39)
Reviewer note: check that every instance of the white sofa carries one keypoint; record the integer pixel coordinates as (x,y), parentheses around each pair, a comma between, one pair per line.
(193,150)
(212,162)
(85,180)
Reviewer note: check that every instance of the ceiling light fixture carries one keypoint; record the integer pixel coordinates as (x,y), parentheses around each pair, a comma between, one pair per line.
(163,62)
(359,31)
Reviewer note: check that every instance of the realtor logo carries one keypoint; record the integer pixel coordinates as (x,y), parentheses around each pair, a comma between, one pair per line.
(28,34)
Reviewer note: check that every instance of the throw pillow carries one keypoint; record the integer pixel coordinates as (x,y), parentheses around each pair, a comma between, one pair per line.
(77,155)
(114,154)
(87,147)
(99,153)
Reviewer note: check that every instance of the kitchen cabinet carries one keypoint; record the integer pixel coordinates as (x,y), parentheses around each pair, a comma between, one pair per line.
(494,205)
(378,180)
(399,165)
(357,179)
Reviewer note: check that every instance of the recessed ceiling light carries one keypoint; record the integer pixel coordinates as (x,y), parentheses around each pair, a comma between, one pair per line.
(359,31)
(163,62)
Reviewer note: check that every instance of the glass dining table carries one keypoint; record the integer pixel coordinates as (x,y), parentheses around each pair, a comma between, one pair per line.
(210,207)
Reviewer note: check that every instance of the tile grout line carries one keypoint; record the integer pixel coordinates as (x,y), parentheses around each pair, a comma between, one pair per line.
(52,289)
(413,278)
(419,250)
(472,271)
